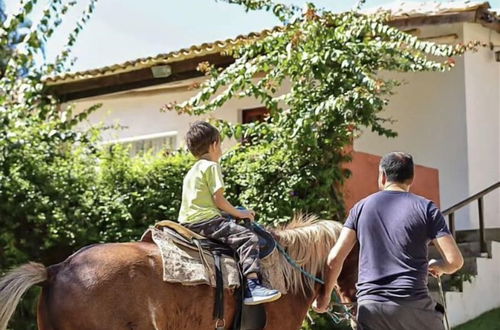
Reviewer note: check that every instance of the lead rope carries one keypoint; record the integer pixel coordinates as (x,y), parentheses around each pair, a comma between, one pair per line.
(441,293)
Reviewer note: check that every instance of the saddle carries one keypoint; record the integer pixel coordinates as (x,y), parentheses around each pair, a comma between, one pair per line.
(189,238)
(247,317)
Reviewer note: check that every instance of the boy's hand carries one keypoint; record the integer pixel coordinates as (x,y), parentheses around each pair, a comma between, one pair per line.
(247,214)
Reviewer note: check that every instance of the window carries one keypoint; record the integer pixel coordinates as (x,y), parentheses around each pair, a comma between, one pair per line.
(166,141)
(256,114)
(253,115)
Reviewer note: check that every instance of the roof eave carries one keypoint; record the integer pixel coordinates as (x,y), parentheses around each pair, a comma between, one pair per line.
(137,74)
(132,79)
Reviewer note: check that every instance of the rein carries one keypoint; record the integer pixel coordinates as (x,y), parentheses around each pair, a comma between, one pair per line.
(292,262)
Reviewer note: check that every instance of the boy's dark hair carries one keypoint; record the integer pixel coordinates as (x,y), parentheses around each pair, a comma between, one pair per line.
(397,166)
(200,136)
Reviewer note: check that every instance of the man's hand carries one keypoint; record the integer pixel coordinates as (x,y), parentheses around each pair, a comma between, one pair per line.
(435,268)
(246,214)
(320,305)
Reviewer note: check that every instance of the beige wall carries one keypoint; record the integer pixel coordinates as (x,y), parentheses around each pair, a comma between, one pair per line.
(430,117)
(450,121)
(482,77)
(139,111)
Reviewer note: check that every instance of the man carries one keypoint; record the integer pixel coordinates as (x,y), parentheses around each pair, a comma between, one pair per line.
(393,228)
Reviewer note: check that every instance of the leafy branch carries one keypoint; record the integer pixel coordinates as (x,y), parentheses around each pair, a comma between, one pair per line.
(321,77)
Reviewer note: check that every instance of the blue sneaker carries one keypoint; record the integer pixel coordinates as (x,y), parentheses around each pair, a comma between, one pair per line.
(256,294)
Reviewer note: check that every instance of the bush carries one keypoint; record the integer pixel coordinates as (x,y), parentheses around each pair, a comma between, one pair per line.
(53,203)
(145,189)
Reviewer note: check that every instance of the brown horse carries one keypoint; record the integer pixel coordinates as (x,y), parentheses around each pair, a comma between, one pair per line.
(119,286)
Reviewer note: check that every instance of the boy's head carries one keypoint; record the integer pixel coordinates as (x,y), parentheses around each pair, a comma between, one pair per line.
(200,137)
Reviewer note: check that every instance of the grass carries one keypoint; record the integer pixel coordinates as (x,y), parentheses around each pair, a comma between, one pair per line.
(487,321)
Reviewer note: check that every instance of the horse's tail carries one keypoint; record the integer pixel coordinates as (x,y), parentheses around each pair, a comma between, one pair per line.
(15,284)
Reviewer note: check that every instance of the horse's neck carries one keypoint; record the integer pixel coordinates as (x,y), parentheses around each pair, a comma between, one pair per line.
(308,246)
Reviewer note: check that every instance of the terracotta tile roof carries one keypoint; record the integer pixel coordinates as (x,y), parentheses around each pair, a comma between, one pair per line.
(399,10)
(405,9)
(165,58)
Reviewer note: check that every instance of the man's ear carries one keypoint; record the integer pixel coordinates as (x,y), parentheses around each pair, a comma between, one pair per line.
(381,176)
(384,177)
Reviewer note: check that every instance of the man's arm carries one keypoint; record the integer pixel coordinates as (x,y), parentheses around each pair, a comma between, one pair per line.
(223,204)
(333,267)
(452,259)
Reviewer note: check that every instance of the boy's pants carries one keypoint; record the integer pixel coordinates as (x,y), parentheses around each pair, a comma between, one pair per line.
(403,315)
(241,239)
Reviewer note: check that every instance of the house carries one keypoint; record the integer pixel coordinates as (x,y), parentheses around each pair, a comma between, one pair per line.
(450,121)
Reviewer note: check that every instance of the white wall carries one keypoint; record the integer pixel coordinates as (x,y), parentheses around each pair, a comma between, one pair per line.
(480,295)
(483,121)
(430,115)
(139,111)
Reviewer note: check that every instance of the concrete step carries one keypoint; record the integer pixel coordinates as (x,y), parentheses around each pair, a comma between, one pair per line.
(454,282)
(468,249)
(481,294)
(491,234)
(445,280)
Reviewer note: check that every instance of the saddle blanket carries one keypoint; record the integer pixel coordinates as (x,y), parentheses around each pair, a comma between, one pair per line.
(185,265)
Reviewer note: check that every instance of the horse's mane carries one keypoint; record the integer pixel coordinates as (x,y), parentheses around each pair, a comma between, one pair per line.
(308,241)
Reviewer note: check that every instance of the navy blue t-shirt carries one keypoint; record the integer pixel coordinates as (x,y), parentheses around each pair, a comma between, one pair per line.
(394,229)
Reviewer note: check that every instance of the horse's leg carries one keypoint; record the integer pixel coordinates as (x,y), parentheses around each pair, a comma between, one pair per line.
(288,312)
(42,316)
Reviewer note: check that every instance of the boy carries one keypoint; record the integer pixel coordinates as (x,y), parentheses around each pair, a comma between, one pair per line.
(203,200)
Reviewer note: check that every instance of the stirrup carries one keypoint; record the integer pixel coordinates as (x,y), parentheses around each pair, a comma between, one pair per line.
(220,324)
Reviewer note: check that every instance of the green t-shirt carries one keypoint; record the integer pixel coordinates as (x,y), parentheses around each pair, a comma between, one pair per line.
(200,184)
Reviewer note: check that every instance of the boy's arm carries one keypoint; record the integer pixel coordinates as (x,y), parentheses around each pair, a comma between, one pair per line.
(223,204)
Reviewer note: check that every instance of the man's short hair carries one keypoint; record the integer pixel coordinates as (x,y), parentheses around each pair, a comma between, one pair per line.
(397,166)
(200,136)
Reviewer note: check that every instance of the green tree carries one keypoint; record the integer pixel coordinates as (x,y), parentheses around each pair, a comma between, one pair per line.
(332,63)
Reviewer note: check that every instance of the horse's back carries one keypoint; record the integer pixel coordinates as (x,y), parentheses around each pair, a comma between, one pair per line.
(120,286)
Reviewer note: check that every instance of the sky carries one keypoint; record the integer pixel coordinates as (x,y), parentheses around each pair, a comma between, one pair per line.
(122,30)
